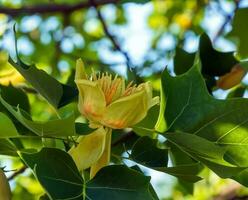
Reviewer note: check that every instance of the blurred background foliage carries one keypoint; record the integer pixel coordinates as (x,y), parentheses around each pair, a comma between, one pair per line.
(135,38)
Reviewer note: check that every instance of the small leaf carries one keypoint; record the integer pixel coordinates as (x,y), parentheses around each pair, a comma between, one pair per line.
(146,152)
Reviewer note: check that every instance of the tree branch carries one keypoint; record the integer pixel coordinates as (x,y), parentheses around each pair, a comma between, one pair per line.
(228,18)
(17,172)
(51,8)
(110,35)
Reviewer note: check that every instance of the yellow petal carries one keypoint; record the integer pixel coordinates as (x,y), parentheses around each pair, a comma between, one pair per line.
(92,102)
(105,158)
(151,101)
(80,70)
(5,193)
(89,149)
(126,111)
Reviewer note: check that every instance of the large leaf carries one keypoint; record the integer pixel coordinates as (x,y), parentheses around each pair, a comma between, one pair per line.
(239,31)
(59,127)
(56,172)
(53,91)
(223,122)
(120,183)
(59,176)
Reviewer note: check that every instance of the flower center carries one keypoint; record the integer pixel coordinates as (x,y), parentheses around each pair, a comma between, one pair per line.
(113,88)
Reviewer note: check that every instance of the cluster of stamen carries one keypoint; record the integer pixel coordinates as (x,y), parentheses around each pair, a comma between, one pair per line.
(113,88)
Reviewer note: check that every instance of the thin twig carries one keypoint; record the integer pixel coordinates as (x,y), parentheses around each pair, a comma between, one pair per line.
(17,172)
(228,18)
(110,35)
(51,8)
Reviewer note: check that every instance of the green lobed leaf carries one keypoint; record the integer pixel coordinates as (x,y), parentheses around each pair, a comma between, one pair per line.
(205,151)
(59,127)
(53,91)
(214,63)
(151,189)
(183,61)
(56,172)
(222,122)
(120,183)
(146,152)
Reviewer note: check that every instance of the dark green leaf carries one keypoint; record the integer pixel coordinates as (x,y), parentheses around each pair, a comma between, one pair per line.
(223,123)
(183,61)
(53,91)
(15,97)
(120,183)
(205,151)
(57,173)
(214,63)
(151,189)
(146,152)
(83,129)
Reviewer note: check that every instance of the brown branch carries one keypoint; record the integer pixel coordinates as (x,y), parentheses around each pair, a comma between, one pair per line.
(51,8)
(17,172)
(110,35)
(228,18)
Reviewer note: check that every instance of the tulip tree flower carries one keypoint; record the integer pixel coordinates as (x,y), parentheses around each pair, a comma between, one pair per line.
(108,104)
